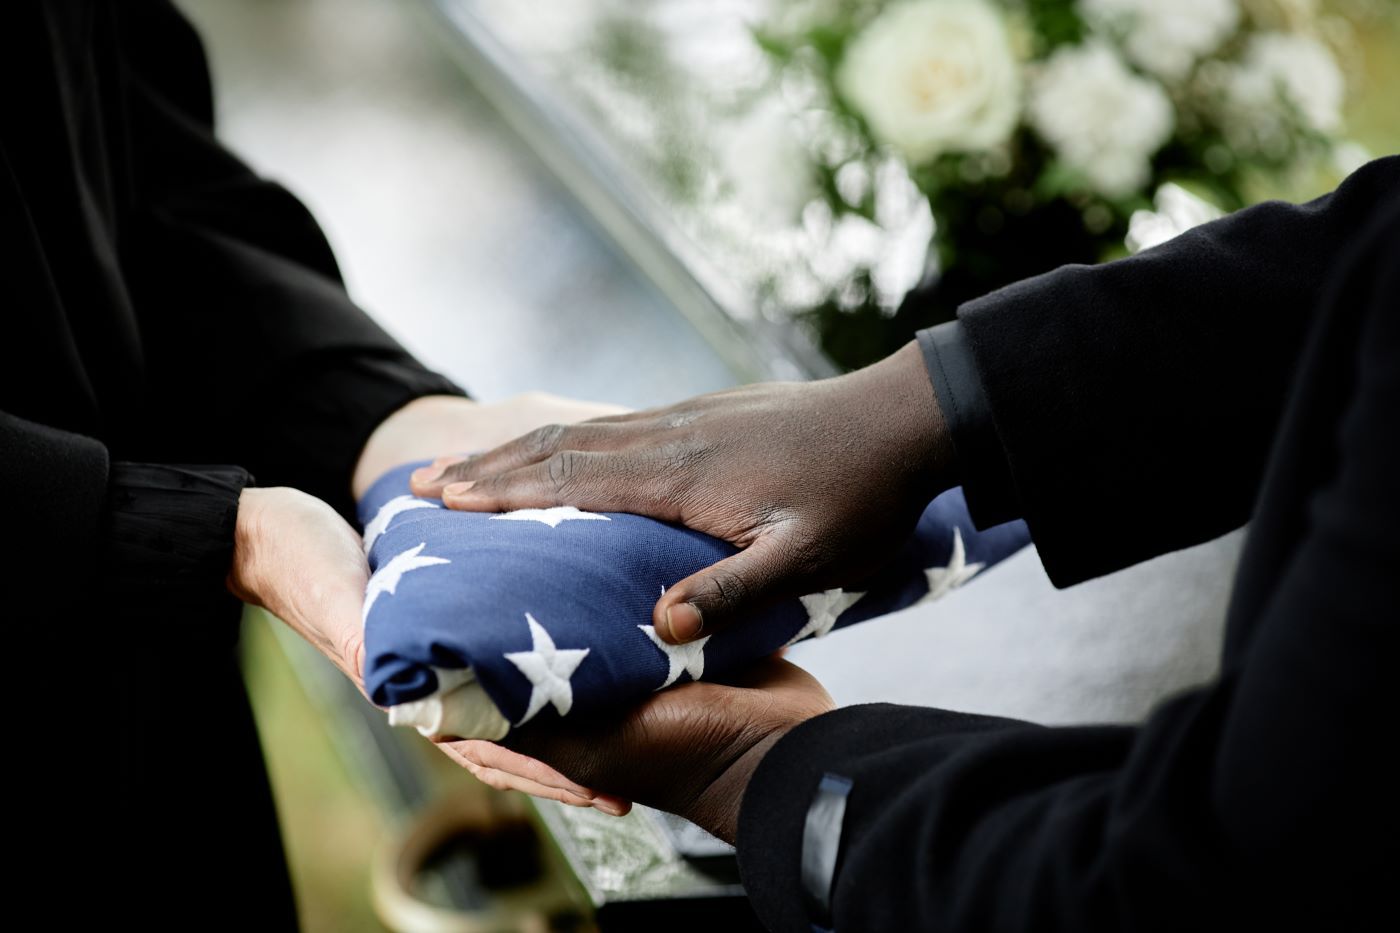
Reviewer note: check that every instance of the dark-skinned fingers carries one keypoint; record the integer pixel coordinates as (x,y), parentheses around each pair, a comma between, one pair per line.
(793,689)
(622,417)
(493,755)
(584,753)
(523,450)
(537,485)
(532,775)
(594,482)
(533,447)
(771,672)
(712,599)
(603,750)
(425,480)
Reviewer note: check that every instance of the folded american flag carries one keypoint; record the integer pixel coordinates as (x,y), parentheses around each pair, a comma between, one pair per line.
(476,623)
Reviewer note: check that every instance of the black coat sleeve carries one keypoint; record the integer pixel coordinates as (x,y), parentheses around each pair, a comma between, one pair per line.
(1135,401)
(1263,801)
(256,354)
(105,533)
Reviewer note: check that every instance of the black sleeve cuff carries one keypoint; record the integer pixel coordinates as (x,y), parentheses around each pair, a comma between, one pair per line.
(772,820)
(169,541)
(981,459)
(857,743)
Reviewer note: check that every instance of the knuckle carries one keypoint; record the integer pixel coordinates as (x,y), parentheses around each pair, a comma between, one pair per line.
(352,652)
(492,487)
(563,468)
(543,441)
(495,778)
(458,471)
(728,588)
(678,457)
(680,418)
(803,553)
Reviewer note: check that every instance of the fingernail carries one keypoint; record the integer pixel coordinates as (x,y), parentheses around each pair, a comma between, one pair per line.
(458,489)
(609,806)
(425,474)
(684,621)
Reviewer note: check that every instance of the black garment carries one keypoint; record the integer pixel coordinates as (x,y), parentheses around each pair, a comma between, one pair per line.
(163,307)
(1249,369)
(967,416)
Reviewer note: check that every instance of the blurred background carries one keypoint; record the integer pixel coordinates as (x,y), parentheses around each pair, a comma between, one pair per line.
(640,201)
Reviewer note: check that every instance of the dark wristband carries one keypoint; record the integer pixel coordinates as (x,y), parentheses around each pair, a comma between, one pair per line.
(980,457)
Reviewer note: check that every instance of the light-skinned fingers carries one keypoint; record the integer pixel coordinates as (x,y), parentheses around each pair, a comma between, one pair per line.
(508,770)
(503,779)
(498,756)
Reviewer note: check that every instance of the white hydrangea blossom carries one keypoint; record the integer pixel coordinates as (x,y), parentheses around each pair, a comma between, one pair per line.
(934,76)
(1282,78)
(1103,120)
(1165,37)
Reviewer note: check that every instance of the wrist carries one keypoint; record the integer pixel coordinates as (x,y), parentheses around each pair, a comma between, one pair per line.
(898,395)
(299,560)
(426,427)
(716,809)
(930,443)
(242,575)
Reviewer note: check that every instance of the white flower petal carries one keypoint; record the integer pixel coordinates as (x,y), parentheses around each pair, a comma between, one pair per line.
(934,76)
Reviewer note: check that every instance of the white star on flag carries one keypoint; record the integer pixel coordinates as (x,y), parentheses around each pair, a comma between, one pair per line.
(942,580)
(386,578)
(548,669)
(688,658)
(551,517)
(387,513)
(823,609)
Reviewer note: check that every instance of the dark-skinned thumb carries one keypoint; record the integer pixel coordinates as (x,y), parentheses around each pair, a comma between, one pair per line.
(712,599)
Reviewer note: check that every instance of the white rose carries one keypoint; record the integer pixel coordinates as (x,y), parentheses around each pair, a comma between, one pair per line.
(1103,120)
(1281,80)
(934,76)
(1165,37)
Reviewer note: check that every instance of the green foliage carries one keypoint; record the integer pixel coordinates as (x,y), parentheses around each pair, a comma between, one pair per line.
(1021,208)
(1055,23)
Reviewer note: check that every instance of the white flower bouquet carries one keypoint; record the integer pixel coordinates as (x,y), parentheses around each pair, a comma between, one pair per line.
(1035,129)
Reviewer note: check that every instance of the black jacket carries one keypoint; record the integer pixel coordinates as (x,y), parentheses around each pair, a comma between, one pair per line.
(171,322)
(1246,370)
